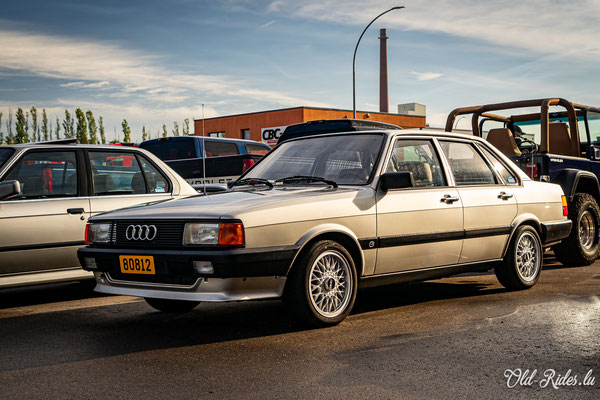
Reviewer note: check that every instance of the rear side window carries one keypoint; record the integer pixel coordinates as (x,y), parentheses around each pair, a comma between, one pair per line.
(468,166)
(216,149)
(171,149)
(45,174)
(257,149)
(115,173)
(508,177)
(5,155)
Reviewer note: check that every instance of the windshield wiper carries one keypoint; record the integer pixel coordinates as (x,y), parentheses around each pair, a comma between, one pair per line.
(252,182)
(306,178)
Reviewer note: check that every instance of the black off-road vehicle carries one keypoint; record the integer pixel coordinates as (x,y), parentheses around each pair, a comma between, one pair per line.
(557,141)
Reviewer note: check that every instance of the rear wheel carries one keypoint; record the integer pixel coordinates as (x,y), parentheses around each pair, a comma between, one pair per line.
(522,264)
(582,246)
(321,287)
(171,306)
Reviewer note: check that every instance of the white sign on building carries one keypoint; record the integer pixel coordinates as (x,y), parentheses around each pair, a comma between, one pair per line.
(271,135)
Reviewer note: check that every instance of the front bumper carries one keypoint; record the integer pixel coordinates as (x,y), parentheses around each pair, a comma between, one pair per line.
(239,274)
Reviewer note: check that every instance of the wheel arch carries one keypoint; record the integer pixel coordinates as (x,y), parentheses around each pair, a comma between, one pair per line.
(575,181)
(524,219)
(337,233)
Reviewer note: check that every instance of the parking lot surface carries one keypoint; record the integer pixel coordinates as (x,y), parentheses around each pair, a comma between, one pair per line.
(459,337)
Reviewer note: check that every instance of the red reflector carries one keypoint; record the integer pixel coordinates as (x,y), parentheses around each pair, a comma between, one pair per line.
(532,170)
(247,164)
(564,206)
(87,234)
(231,234)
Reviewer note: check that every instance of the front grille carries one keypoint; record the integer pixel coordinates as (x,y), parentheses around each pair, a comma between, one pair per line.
(159,279)
(168,234)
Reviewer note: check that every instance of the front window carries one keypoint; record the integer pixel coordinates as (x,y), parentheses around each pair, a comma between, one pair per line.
(45,174)
(344,159)
(419,158)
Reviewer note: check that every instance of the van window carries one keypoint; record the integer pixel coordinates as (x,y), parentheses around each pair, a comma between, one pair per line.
(171,149)
(217,149)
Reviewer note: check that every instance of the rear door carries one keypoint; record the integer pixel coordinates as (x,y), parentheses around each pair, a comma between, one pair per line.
(120,178)
(422,226)
(489,204)
(42,228)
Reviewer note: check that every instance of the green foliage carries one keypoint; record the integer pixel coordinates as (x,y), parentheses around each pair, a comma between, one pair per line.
(1,133)
(81,126)
(57,131)
(186,127)
(92,127)
(34,125)
(126,132)
(175,128)
(68,129)
(10,139)
(101,127)
(165,134)
(45,132)
(21,127)
(144,134)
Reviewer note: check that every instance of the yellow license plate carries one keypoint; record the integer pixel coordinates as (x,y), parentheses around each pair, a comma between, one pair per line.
(137,265)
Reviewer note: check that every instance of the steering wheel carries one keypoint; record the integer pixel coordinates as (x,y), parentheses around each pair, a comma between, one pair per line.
(526,146)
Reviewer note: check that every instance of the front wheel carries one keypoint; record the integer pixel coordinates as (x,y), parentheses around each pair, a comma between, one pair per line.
(522,264)
(171,306)
(582,246)
(321,287)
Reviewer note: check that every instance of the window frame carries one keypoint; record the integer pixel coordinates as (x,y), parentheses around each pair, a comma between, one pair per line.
(513,172)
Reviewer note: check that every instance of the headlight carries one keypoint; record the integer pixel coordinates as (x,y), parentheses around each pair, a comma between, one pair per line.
(228,234)
(97,233)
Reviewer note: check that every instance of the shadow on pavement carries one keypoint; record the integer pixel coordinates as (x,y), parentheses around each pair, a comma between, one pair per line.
(47,293)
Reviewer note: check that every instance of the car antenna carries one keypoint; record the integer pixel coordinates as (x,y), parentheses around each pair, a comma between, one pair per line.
(203,155)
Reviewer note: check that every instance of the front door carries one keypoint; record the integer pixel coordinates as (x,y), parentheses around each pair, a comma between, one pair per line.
(422,226)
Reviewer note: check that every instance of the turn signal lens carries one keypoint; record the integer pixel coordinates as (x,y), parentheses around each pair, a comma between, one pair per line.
(565,207)
(231,234)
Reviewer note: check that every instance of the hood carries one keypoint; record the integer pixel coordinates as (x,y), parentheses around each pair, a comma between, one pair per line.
(258,207)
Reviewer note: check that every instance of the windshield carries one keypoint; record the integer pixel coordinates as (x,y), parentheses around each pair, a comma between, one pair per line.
(344,159)
(4,155)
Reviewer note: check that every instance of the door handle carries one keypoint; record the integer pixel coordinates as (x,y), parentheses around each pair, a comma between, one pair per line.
(449,199)
(504,196)
(75,210)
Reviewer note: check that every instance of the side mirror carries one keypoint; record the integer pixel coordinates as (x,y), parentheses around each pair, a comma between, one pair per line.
(9,189)
(594,152)
(397,180)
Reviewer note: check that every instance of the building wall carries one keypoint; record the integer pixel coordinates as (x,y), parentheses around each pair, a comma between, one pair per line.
(234,124)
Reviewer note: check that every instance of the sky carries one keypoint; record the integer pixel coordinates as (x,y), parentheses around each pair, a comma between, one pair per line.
(154,62)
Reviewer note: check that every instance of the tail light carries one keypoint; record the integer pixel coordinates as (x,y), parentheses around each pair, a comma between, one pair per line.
(247,164)
(87,234)
(564,206)
(532,170)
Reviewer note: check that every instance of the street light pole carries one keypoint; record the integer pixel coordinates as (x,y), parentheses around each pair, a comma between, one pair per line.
(354,59)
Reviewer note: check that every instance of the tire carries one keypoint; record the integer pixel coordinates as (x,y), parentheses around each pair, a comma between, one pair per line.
(582,246)
(171,306)
(321,287)
(522,264)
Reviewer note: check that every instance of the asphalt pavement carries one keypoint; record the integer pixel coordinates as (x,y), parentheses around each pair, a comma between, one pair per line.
(456,338)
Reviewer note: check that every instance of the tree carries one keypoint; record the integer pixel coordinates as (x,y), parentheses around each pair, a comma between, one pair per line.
(68,122)
(57,133)
(1,133)
(126,132)
(175,128)
(20,126)
(144,134)
(165,134)
(10,139)
(186,127)
(82,136)
(92,127)
(34,125)
(45,131)
(101,127)
(26,126)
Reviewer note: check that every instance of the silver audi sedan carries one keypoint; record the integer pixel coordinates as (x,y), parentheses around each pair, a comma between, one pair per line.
(48,192)
(322,215)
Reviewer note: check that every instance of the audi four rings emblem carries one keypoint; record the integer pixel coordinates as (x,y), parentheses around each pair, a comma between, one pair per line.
(141,232)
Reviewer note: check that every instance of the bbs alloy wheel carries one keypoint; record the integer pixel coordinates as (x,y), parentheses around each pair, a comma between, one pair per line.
(522,263)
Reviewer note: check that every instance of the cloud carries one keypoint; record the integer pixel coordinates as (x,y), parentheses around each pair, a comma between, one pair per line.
(267,24)
(426,76)
(80,84)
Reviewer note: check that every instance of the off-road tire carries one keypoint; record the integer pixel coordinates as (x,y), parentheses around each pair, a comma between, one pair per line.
(522,263)
(171,306)
(321,287)
(575,250)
